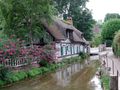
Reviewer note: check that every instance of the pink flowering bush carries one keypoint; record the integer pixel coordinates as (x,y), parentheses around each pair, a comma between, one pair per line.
(17,52)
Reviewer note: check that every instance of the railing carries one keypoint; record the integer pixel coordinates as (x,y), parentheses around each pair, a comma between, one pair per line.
(102,47)
(17,62)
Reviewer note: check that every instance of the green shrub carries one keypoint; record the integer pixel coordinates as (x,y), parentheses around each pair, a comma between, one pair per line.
(5,73)
(45,69)
(34,72)
(96,40)
(116,44)
(43,63)
(108,43)
(83,55)
(106,82)
(3,38)
(21,75)
(53,67)
(2,82)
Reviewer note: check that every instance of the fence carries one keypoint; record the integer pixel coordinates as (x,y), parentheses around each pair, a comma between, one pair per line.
(18,62)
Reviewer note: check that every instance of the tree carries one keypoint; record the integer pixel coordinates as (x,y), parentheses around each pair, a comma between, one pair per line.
(63,6)
(84,22)
(82,18)
(111,16)
(96,41)
(109,29)
(23,17)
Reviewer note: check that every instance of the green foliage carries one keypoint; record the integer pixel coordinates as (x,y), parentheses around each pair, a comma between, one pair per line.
(3,38)
(83,55)
(109,29)
(13,77)
(82,18)
(83,21)
(110,16)
(106,82)
(43,63)
(23,17)
(96,41)
(34,72)
(4,73)
(116,44)
(62,5)
(2,82)
(108,43)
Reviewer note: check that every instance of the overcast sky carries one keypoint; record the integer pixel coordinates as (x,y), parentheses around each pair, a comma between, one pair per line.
(101,7)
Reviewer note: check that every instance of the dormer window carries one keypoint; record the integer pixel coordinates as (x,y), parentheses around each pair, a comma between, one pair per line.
(69,34)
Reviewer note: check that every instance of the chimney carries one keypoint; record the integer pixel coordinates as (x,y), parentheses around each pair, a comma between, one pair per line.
(69,20)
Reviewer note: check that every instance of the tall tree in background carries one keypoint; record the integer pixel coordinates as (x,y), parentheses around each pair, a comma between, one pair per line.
(111,16)
(23,17)
(109,29)
(82,18)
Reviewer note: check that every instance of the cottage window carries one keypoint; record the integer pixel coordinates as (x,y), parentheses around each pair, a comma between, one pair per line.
(69,34)
(77,49)
(61,51)
(71,49)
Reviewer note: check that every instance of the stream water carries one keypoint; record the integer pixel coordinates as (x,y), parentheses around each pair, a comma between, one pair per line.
(74,77)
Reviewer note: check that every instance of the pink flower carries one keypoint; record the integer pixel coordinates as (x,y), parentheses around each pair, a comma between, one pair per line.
(1,52)
(13,44)
(6,46)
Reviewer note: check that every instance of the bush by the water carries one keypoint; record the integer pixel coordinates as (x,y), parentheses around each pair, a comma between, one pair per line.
(116,44)
(83,55)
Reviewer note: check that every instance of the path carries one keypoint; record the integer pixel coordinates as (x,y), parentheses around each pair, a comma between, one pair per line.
(112,65)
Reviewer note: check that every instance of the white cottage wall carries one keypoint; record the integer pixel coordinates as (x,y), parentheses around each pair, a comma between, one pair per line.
(65,49)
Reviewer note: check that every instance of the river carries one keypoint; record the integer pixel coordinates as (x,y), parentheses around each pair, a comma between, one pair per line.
(74,77)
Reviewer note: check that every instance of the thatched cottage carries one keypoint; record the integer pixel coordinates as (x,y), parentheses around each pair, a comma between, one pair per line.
(68,40)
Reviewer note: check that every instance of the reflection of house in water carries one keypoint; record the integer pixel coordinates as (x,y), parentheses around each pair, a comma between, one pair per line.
(63,77)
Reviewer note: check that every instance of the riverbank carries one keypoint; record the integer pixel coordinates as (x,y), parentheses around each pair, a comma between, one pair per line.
(10,77)
(74,76)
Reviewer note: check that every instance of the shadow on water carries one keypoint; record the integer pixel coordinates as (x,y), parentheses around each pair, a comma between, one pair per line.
(74,77)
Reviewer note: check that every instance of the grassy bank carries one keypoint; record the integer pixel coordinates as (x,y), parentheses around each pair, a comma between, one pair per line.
(9,77)
(106,82)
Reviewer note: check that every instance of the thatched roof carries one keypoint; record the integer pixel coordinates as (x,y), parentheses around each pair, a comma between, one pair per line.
(58,30)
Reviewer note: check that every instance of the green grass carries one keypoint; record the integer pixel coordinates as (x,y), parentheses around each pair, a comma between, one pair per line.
(106,82)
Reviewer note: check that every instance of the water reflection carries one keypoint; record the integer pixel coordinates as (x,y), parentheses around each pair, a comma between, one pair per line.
(95,82)
(63,77)
(74,77)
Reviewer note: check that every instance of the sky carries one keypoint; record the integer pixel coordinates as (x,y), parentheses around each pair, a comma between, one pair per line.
(101,7)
